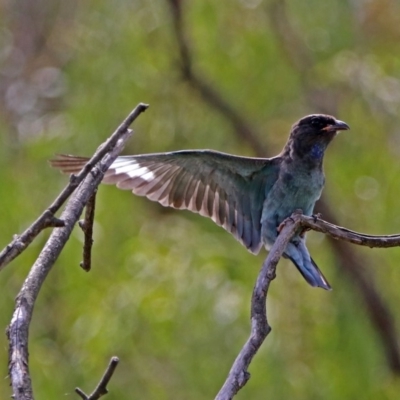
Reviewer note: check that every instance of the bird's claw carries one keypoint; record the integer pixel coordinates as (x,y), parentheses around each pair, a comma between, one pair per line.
(281,226)
(315,218)
(283,223)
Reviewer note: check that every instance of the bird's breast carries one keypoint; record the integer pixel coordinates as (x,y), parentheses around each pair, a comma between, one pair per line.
(294,189)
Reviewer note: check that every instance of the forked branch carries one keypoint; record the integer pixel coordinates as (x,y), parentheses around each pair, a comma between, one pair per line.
(18,330)
(260,328)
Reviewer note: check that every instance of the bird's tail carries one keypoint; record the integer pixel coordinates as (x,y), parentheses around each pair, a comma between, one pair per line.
(69,164)
(313,275)
(300,257)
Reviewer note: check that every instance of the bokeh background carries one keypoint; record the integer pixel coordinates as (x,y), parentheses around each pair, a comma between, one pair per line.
(169,291)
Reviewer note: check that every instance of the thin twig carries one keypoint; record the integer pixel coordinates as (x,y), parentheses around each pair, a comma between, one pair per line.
(22,241)
(340,233)
(87,227)
(239,375)
(18,329)
(101,388)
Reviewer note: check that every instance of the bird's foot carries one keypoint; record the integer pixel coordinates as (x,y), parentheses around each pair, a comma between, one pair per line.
(281,225)
(315,217)
(284,222)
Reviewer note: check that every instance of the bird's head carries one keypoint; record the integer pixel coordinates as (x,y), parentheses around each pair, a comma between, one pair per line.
(311,135)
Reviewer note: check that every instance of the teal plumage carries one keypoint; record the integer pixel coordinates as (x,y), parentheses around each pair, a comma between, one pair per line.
(248,197)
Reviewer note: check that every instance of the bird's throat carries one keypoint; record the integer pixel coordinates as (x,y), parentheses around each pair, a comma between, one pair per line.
(317,152)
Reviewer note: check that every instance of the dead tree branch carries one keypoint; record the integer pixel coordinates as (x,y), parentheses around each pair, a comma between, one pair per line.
(260,328)
(21,242)
(340,233)
(101,388)
(18,330)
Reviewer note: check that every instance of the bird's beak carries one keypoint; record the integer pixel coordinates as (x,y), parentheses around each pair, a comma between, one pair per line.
(337,126)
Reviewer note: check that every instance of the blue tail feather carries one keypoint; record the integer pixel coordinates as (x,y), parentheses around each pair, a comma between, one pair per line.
(299,255)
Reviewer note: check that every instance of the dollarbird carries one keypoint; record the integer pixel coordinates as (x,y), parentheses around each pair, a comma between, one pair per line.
(249,197)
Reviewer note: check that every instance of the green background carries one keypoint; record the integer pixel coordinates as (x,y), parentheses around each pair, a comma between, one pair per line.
(169,292)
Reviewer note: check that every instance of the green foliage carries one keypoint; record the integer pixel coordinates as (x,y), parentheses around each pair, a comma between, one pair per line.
(169,292)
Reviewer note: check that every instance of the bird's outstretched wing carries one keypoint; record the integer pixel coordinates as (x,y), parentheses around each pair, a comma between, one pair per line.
(228,189)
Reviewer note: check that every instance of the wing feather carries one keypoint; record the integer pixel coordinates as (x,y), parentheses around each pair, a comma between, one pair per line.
(228,189)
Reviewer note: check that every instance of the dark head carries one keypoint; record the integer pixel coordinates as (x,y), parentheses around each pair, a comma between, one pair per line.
(311,135)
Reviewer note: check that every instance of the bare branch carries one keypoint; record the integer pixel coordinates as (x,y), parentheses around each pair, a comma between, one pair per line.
(238,375)
(18,329)
(87,227)
(340,233)
(21,242)
(101,388)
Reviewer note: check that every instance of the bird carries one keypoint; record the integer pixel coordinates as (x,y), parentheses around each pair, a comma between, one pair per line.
(247,196)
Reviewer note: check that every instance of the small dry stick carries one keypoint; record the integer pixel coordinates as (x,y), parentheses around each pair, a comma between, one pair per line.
(101,388)
(87,227)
